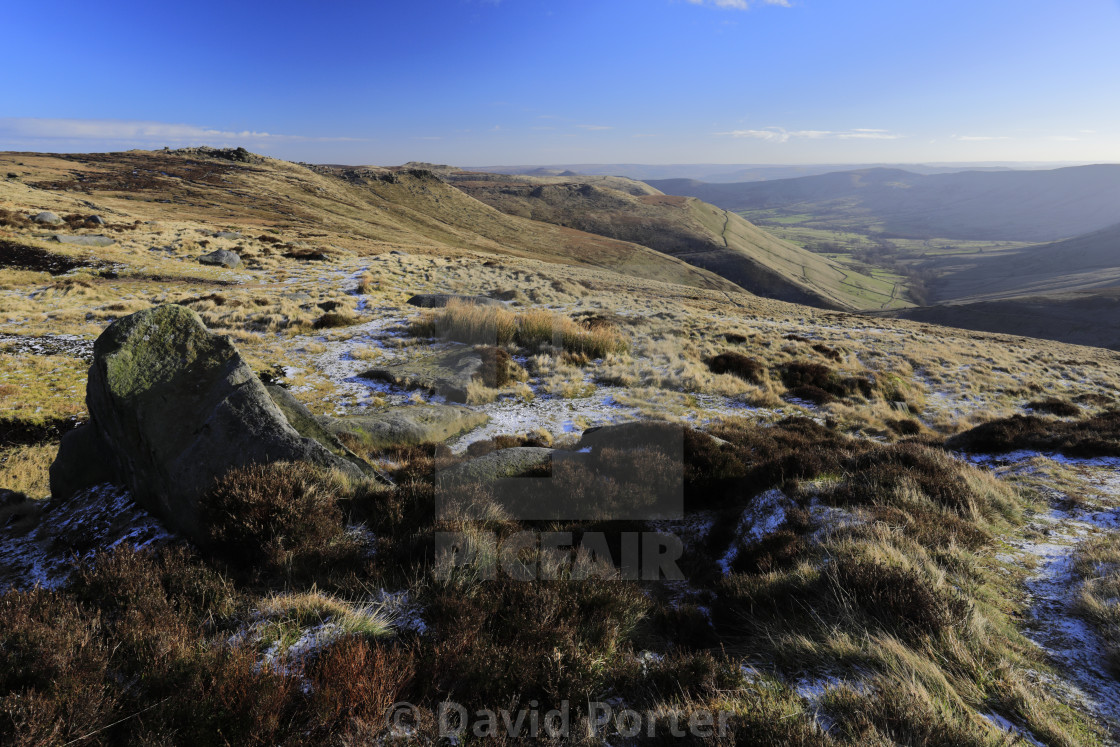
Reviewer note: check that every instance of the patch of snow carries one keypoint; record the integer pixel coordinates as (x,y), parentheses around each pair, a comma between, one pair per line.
(99,518)
(762,518)
(1008,727)
(405,613)
(1071,643)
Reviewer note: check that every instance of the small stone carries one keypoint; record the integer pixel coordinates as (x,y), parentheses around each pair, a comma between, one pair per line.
(47,218)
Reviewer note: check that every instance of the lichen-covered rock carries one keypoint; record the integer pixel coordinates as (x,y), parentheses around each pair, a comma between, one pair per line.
(175,407)
(403,426)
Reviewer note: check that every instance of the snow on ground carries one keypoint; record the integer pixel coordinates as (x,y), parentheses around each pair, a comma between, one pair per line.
(100,518)
(762,518)
(1073,646)
(70,345)
(1007,727)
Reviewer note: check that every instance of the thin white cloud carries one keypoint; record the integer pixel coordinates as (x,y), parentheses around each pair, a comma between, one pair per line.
(594,128)
(979,138)
(780,135)
(739,4)
(138,132)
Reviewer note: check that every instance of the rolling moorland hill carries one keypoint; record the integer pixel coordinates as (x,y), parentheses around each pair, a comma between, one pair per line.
(688,229)
(891,532)
(406,207)
(1044,205)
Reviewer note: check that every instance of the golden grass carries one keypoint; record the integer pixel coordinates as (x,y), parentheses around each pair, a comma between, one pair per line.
(533,329)
(25,469)
(1097,563)
(49,386)
(311,608)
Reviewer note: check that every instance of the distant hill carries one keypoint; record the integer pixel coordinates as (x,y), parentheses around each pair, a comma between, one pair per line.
(1087,262)
(741,172)
(1081,318)
(1042,205)
(685,228)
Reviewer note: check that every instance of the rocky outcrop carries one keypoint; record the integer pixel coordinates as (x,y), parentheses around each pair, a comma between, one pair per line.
(172,408)
(413,424)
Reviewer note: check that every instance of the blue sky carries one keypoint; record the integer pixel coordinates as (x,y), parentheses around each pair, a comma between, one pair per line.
(489,82)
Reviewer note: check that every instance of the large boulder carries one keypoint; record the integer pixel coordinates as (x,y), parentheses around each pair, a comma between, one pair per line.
(221,258)
(305,423)
(408,425)
(174,407)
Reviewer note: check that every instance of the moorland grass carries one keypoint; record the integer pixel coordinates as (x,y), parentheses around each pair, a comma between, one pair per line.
(532,329)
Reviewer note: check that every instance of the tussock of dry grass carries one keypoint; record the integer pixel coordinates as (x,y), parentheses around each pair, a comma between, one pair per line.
(532,329)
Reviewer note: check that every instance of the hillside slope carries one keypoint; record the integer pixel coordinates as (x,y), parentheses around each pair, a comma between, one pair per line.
(1043,205)
(402,208)
(1083,263)
(1079,318)
(686,228)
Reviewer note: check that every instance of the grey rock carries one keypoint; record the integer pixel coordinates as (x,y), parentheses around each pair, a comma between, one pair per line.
(497,465)
(667,438)
(176,407)
(300,418)
(439,300)
(227,234)
(221,258)
(447,374)
(409,425)
(83,240)
(47,218)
